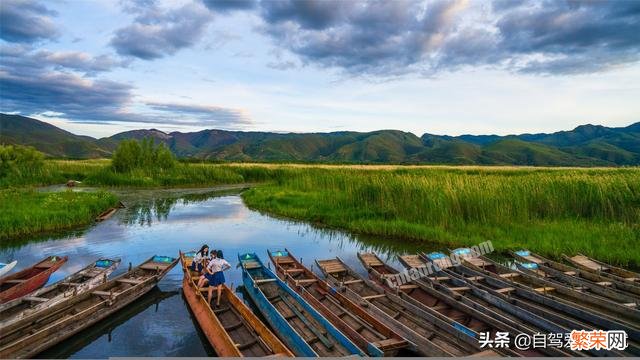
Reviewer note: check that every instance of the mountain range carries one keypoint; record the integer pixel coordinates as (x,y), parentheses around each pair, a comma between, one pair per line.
(586,145)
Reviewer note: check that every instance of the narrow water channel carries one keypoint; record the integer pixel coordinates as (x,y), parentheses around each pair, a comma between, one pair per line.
(163,222)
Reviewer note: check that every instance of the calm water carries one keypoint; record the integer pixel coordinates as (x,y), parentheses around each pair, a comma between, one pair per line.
(162,222)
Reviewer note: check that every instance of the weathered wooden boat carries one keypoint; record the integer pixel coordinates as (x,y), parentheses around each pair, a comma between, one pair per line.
(466,322)
(369,333)
(621,286)
(410,321)
(70,346)
(623,314)
(106,214)
(232,329)
(43,329)
(576,283)
(500,309)
(89,277)
(598,267)
(561,312)
(5,268)
(30,279)
(304,330)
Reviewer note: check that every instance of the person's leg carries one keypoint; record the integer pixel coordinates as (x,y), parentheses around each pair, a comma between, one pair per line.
(209,294)
(219,293)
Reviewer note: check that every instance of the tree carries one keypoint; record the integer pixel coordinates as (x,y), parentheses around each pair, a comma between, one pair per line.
(132,154)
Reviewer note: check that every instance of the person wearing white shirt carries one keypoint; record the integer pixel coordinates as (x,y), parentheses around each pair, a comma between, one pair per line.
(214,274)
(199,260)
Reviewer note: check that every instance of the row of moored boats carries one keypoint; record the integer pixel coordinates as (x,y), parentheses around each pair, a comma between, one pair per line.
(342,313)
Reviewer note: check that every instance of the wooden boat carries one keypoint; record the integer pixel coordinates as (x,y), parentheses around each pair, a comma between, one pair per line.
(494,307)
(369,333)
(598,267)
(552,315)
(5,268)
(305,331)
(68,347)
(466,322)
(561,312)
(89,277)
(410,321)
(28,280)
(43,329)
(623,314)
(106,214)
(581,285)
(621,286)
(232,329)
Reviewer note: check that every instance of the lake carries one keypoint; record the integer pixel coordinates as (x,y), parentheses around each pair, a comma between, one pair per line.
(162,222)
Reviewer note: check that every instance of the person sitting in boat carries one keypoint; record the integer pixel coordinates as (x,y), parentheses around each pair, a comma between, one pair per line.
(215,275)
(199,260)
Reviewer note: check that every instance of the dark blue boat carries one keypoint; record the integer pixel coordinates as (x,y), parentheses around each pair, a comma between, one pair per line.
(305,331)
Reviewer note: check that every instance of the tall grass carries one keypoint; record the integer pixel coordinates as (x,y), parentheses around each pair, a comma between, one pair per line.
(551,211)
(26,211)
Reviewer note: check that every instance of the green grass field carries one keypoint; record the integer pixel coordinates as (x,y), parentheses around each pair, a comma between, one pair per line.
(26,211)
(550,211)
(547,210)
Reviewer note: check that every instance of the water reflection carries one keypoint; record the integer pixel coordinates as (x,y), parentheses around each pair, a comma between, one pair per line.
(162,222)
(138,312)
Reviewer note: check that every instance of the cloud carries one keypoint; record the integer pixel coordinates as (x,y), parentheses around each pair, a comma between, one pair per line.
(65,85)
(378,37)
(77,97)
(157,32)
(26,21)
(572,36)
(204,115)
(389,38)
(229,5)
(23,57)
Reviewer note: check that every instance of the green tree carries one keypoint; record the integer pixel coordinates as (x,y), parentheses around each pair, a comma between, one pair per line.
(133,154)
(20,160)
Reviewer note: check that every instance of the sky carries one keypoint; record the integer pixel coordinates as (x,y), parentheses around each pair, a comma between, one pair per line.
(99,67)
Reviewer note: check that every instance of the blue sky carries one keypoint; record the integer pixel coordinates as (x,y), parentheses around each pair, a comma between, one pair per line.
(98,67)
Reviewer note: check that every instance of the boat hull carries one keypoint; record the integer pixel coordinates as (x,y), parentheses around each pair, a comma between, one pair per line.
(287,333)
(9,316)
(26,339)
(30,284)
(213,328)
(8,267)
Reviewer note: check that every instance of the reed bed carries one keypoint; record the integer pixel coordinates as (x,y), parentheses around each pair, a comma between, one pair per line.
(27,211)
(550,211)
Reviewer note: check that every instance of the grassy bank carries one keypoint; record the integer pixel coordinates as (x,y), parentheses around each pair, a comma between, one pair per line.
(550,211)
(27,212)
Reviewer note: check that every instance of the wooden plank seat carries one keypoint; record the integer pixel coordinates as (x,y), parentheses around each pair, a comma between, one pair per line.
(252,265)
(262,281)
(544,289)
(288,271)
(373,296)
(604,283)
(103,293)
(36,299)
(505,290)
(153,266)
(460,289)
(570,273)
(130,281)
(15,281)
(509,275)
(407,287)
(352,281)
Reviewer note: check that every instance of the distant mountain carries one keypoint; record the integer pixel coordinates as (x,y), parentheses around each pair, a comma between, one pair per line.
(586,145)
(51,140)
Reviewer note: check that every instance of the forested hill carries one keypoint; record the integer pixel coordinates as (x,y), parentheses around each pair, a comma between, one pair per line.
(586,145)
